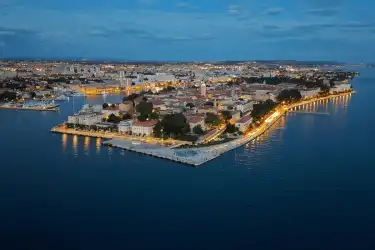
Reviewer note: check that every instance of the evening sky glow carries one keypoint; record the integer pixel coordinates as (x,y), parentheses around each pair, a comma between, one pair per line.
(340,30)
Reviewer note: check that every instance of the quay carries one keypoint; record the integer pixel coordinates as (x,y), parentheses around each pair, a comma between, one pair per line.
(191,156)
(54,108)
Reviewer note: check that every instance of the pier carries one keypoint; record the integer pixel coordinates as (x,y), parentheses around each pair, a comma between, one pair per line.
(55,108)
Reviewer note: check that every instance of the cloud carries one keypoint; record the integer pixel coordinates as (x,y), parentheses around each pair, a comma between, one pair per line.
(321,4)
(273,11)
(271,27)
(322,12)
(234,10)
(186,5)
(182,4)
(146,1)
(164,33)
(133,33)
(357,24)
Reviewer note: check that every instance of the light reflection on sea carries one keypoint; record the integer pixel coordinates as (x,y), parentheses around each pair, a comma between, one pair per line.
(269,144)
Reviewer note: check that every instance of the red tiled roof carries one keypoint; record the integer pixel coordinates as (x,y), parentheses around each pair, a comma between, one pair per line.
(145,123)
(157,102)
(194,119)
(244,119)
(184,99)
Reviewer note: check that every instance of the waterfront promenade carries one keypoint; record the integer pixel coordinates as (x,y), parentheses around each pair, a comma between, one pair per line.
(191,156)
(62,129)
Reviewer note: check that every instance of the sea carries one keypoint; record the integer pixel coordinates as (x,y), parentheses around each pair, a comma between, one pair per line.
(307,183)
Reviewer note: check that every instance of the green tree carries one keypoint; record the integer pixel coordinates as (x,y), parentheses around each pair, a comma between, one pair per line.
(324,89)
(226,115)
(170,88)
(190,105)
(198,130)
(145,109)
(212,119)
(94,127)
(262,108)
(231,128)
(289,95)
(158,130)
(127,116)
(175,124)
(113,118)
(154,116)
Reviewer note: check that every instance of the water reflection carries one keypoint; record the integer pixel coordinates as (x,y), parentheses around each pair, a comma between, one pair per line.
(64,141)
(98,145)
(267,143)
(77,141)
(87,145)
(75,145)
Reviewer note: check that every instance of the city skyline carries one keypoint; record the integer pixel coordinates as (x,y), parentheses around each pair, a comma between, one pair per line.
(337,30)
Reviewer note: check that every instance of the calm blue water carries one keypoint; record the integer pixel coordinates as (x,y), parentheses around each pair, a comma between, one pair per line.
(309,183)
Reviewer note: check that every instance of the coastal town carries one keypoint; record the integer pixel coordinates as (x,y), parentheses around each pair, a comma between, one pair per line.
(189,113)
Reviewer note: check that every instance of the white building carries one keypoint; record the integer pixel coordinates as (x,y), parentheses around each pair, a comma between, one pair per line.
(143,128)
(85,119)
(308,93)
(244,106)
(196,121)
(89,120)
(203,89)
(74,119)
(87,108)
(125,82)
(341,87)
(244,123)
(125,126)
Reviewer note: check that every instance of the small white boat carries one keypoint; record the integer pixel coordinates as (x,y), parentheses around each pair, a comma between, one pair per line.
(62,98)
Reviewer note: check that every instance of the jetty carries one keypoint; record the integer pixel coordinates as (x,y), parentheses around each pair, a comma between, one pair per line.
(53,108)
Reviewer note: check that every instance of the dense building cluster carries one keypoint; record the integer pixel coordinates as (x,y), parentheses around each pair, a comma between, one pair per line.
(212,98)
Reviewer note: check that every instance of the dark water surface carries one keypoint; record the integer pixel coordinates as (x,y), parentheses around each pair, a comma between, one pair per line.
(309,183)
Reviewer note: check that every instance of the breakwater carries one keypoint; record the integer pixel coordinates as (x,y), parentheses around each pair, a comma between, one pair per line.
(54,108)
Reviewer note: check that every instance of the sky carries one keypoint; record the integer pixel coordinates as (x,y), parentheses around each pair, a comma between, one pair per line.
(191,30)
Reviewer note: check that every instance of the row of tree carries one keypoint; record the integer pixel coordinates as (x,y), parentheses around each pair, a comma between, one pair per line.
(262,108)
(8,96)
(289,95)
(172,125)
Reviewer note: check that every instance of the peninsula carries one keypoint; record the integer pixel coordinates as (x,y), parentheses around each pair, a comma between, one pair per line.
(194,113)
